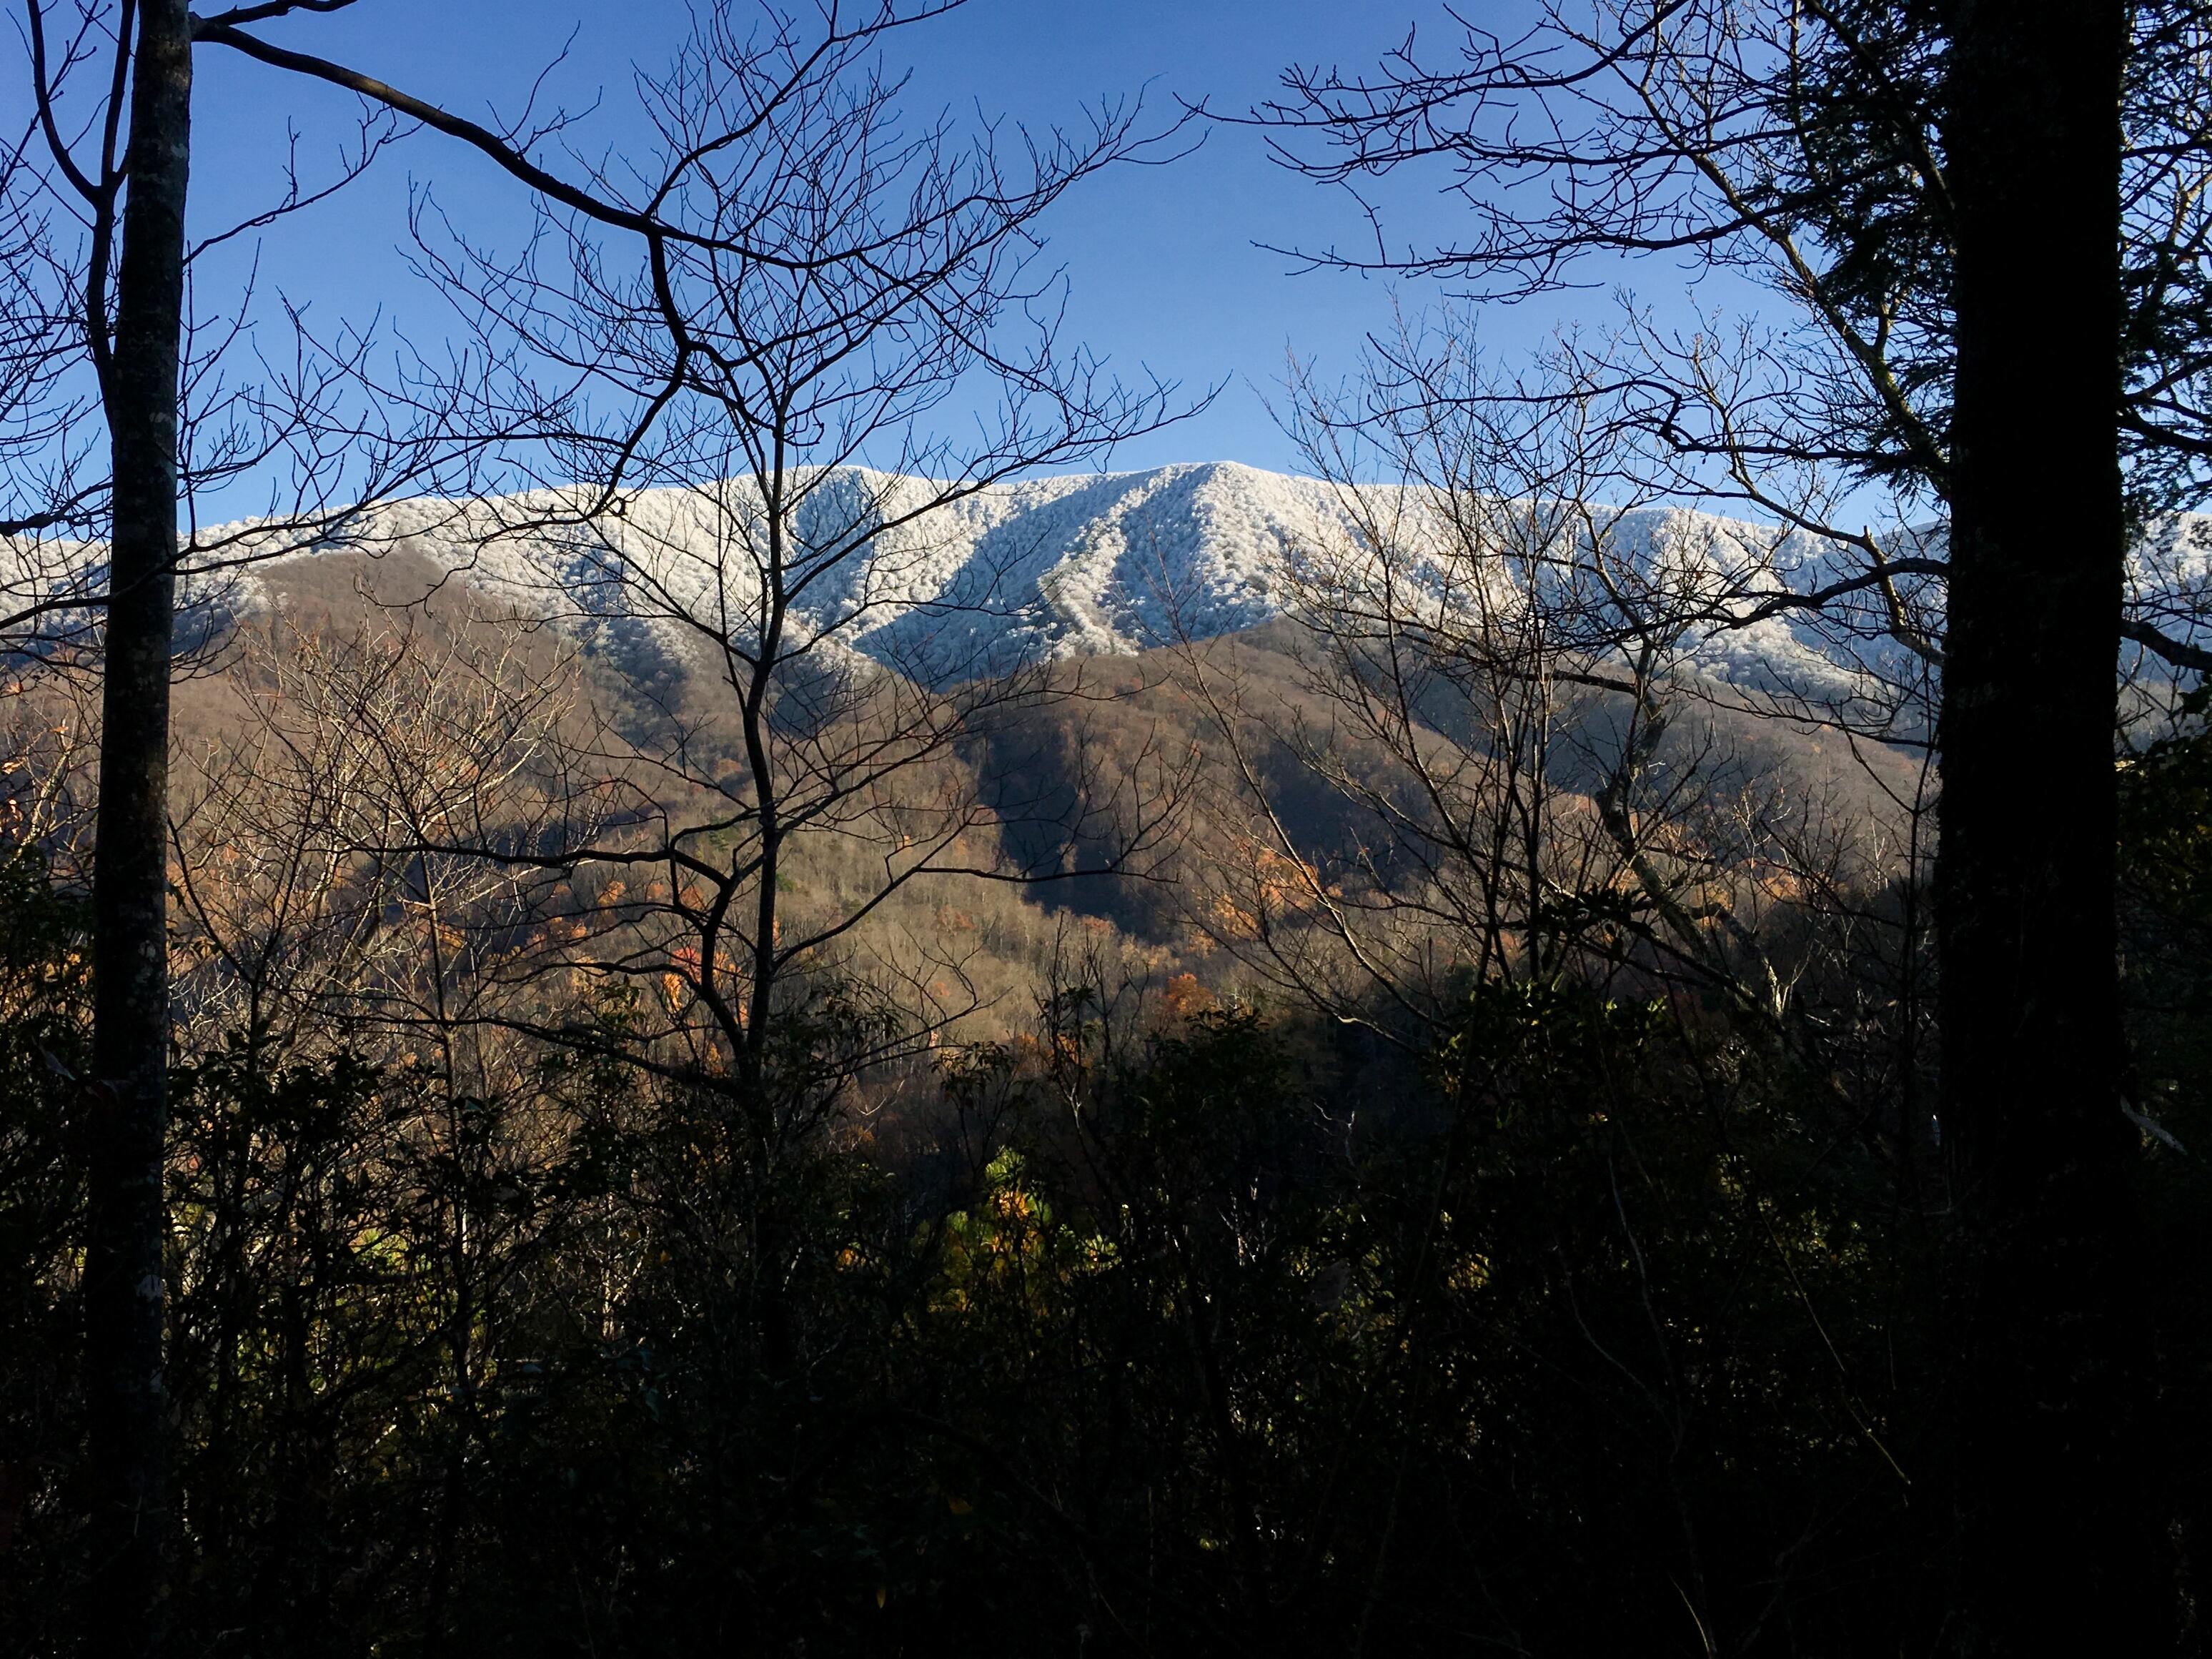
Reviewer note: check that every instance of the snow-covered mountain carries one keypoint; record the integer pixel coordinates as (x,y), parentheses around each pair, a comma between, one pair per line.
(944,583)
(1076,565)
(1079,565)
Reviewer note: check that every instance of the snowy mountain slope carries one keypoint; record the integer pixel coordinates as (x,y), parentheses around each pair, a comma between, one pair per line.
(1106,563)
(1045,567)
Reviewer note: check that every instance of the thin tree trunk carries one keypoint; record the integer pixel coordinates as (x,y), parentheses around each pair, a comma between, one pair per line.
(129,1093)
(2055,1556)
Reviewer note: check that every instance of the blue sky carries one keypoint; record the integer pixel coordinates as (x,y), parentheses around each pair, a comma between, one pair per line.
(1162,262)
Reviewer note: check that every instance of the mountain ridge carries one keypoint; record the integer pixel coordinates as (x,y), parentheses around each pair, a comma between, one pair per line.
(1109,563)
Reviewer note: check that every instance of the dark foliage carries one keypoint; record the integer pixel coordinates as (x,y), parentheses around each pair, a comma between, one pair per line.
(1161,1329)
(44,1002)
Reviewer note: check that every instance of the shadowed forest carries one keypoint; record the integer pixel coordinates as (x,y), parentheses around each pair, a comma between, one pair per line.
(699,990)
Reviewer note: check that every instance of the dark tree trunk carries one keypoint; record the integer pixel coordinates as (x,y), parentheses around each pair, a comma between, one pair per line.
(129,1091)
(2056,1557)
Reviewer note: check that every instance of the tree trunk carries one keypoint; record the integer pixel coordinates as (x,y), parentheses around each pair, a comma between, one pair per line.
(129,1095)
(2055,1554)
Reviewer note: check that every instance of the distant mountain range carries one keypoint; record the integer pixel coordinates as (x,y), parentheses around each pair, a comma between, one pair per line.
(1080,565)
(1107,563)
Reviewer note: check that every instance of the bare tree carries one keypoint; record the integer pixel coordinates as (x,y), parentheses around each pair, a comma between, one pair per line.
(1531,687)
(760,479)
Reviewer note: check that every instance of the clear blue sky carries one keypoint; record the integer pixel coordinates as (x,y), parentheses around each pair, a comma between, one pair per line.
(1162,261)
